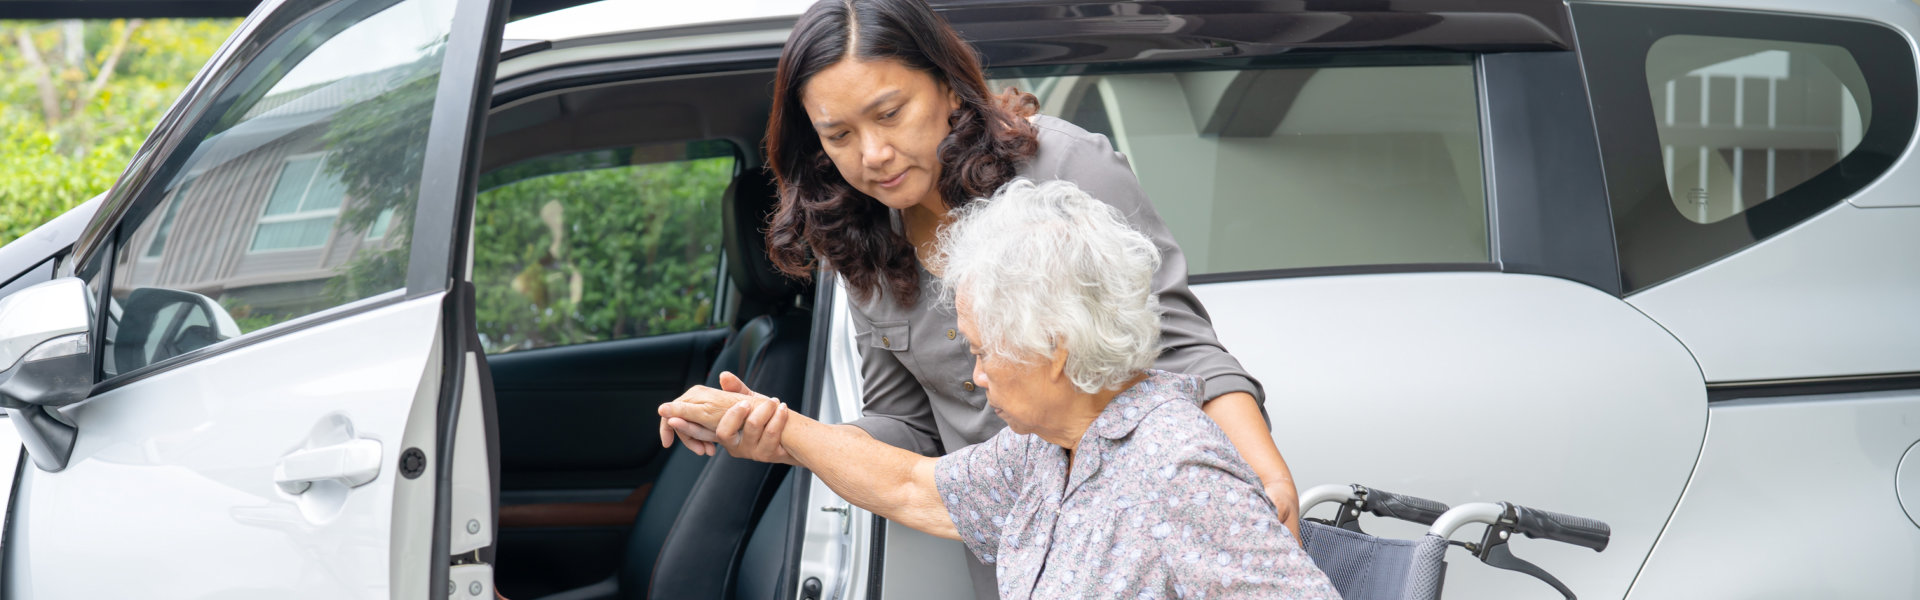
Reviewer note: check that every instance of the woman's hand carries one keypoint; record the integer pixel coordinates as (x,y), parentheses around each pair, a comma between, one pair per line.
(749,426)
(1288,501)
(1238,415)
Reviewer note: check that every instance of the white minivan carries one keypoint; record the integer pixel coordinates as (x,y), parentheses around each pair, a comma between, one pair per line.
(384,306)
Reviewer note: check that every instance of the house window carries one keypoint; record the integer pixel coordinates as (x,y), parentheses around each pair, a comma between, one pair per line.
(301,211)
(378,230)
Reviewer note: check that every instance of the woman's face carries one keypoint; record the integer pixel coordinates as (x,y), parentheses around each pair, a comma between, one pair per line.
(881,123)
(1030,396)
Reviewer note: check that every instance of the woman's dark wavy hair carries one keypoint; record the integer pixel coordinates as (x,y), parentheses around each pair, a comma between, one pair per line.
(821,216)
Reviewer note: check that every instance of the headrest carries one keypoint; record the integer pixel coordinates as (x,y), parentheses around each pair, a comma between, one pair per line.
(748,205)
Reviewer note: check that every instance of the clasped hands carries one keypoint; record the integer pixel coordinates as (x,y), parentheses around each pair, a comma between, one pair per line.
(746,423)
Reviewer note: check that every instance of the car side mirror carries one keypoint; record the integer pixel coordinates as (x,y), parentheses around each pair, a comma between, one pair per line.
(46,362)
(160,323)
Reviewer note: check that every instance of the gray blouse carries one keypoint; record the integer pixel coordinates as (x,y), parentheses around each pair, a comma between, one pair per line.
(918,389)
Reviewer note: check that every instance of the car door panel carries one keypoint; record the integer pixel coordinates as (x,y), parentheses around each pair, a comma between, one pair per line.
(578,450)
(1777,471)
(266,458)
(1832,297)
(172,480)
(1465,387)
(579,414)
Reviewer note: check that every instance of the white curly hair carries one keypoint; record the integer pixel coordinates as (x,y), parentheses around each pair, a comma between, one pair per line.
(1043,264)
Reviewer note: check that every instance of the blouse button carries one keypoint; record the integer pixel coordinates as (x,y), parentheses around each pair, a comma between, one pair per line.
(950,334)
(968,386)
(885,343)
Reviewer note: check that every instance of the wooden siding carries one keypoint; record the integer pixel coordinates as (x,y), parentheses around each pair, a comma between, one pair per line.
(206,250)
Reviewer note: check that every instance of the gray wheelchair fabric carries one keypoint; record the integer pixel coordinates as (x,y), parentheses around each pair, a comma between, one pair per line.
(1361,566)
(1429,569)
(1364,567)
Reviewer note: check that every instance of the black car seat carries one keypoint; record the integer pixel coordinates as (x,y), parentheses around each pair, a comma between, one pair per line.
(695,524)
(702,554)
(697,520)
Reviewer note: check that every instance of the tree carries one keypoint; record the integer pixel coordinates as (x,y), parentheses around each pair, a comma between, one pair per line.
(77,98)
(603,252)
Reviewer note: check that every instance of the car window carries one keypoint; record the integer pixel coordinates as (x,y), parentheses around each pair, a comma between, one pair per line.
(295,191)
(1721,128)
(601,245)
(1259,169)
(1741,120)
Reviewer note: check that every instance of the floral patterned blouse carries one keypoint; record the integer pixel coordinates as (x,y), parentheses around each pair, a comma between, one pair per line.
(1157,505)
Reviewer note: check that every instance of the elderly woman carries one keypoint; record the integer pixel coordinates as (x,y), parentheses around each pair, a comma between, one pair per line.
(1109,480)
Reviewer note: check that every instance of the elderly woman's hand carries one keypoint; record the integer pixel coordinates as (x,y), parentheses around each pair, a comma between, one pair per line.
(746,423)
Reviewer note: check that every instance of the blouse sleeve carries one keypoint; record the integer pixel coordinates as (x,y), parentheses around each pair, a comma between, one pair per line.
(896,409)
(1228,541)
(980,484)
(1188,344)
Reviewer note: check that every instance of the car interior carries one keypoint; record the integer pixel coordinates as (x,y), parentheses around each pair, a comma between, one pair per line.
(591,506)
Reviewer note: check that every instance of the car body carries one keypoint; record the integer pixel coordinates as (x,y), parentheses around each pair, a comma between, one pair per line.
(1652,263)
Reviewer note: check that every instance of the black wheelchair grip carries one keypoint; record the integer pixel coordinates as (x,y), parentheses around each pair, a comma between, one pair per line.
(1406,508)
(1579,531)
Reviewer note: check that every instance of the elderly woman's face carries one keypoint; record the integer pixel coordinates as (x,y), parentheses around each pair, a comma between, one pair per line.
(881,123)
(1029,395)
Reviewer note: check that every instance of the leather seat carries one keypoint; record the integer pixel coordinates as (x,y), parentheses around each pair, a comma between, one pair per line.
(694,528)
(702,554)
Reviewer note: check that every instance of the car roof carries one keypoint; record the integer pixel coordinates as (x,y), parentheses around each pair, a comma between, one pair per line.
(192,9)
(1011,33)
(612,17)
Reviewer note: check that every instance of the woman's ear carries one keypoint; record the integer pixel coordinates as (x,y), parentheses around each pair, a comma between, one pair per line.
(1057,364)
(953,97)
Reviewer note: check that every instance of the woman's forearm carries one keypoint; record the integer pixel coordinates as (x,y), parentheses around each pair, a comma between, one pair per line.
(888,481)
(1238,415)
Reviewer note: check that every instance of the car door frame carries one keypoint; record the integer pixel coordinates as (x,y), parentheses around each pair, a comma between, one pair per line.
(436,260)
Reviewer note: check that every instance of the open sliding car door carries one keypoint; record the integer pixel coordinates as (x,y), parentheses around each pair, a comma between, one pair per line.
(285,398)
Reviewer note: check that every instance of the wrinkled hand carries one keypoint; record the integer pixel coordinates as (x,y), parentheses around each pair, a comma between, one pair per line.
(744,422)
(1288,500)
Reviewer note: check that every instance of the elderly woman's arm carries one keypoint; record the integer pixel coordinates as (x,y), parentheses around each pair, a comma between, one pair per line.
(871,474)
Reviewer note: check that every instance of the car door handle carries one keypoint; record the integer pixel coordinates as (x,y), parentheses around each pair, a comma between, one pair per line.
(352,464)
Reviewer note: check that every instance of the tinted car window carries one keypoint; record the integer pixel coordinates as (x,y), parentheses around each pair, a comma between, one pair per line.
(1721,128)
(1741,120)
(602,245)
(297,189)
(1257,169)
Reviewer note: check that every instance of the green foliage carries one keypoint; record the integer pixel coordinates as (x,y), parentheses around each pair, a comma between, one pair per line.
(248,320)
(377,148)
(599,254)
(69,128)
(572,249)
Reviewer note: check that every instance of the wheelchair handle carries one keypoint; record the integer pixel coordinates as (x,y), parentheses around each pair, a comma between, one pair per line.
(1406,508)
(1376,501)
(1322,494)
(1579,531)
(1532,522)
